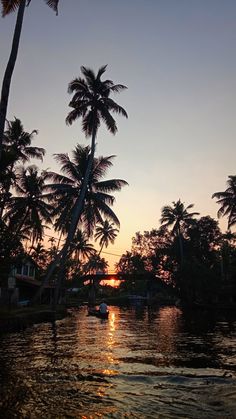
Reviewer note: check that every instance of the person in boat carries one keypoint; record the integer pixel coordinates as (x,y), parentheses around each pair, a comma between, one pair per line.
(103,309)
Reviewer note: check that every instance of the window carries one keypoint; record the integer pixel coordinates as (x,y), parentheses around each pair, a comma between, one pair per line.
(31,271)
(25,270)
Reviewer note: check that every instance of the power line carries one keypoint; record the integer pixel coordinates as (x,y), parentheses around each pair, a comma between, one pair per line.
(107,253)
(113,254)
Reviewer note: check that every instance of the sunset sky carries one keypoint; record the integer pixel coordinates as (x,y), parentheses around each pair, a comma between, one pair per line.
(178,60)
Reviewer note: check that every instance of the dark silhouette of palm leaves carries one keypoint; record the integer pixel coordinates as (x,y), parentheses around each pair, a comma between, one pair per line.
(176,216)
(91,101)
(16,148)
(96,264)
(17,143)
(29,210)
(9,6)
(81,247)
(66,189)
(227,201)
(106,233)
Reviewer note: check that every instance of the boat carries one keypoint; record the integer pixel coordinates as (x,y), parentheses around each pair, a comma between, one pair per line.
(97,313)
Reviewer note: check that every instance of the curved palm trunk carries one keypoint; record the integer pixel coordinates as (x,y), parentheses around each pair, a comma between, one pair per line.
(100,251)
(9,71)
(61,257)
(17,231)
(75,219)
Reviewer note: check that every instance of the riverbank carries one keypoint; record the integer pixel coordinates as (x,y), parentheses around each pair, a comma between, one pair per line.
(16,319)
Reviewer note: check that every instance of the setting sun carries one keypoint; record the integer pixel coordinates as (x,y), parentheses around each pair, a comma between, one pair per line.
(111,282)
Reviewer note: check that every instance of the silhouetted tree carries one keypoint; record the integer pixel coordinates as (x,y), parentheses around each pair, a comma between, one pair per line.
(106,233)
(178,217)
(9,6)
(17,149)
(29,210)
(227,201)
(92,102)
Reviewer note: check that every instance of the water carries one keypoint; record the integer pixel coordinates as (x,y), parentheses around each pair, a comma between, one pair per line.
(137,364)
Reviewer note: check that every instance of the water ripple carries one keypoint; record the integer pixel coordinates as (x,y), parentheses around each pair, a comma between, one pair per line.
(138,364)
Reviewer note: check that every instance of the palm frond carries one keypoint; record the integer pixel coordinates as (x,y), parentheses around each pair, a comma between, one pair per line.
(9,6)
(108,119)
(113,106)
(101,71)
(53,4)
(111,185)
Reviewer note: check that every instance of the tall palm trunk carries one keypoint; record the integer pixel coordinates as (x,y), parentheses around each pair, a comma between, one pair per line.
(9,71)
(18,229)
(100,251)
(61,256)
(75,219)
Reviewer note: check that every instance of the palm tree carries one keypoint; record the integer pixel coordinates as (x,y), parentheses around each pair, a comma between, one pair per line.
(65,190)
(91,102)
(227,201)
(80,246)
(17,148)
(178,217)
(106,233)
(18,143)
(39,254)
(29,210)
(9,6)
(96,264)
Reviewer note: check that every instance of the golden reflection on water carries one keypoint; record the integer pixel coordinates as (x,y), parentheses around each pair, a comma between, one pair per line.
(146,353)
(110,342)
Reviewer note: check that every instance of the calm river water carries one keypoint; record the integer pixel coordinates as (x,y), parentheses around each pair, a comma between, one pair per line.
(137,364)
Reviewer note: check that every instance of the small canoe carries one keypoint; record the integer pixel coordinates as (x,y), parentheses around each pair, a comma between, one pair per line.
(97,313)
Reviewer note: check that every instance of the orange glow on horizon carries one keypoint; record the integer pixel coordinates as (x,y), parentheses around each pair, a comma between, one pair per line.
(113,282)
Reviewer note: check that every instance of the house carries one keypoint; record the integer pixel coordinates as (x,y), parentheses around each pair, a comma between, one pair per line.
(23,283)
(24,270)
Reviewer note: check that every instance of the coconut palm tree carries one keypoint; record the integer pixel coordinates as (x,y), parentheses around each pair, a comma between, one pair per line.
(40,255)
(9,6)
(96,264)
(106,233)
(92,103)
(66,189)
(29,210)
(64,192)
(17,148)
(18,143)
(178,217)
(81,248)
(227,201)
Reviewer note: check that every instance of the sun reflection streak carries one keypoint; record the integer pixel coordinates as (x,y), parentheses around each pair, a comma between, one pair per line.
(110,345)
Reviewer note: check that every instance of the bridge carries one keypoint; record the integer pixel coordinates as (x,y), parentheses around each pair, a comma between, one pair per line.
(119,276)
